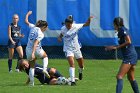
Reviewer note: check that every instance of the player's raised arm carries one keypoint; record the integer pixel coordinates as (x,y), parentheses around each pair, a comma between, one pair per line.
(26,18)
(88,21)
(9,35)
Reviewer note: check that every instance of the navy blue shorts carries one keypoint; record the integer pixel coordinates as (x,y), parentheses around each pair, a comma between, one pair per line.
(130,60)
(43,79)
(18,43)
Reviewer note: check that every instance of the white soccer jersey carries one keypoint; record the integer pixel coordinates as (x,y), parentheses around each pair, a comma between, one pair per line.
(71,37)
(35,34)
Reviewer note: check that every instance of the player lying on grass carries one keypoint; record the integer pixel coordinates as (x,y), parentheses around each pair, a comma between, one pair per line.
(69,32)
(129,56)
(55,75)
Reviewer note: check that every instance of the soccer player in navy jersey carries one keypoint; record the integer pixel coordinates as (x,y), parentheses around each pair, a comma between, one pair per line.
(14,34)
(54,74)
(129,56)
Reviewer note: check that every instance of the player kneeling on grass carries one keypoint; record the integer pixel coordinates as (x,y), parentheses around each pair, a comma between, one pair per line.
(71,45)
(34,49)
(56,78)
(129,56)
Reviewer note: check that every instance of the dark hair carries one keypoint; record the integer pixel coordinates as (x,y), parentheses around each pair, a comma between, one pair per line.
(118,21)
(69,19)
(41,23)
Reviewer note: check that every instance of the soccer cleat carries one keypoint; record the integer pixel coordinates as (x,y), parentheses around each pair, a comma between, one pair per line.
(46,73)
(17,70)
(10,71)
(80,76)
(73,84)
(76,79)
(31,83)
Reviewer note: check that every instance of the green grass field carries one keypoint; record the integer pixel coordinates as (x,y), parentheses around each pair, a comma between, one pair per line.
(99,77)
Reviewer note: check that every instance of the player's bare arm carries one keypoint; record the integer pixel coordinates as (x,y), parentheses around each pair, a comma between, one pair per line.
(9,35)
(128,41)
(27,17)
(88,21)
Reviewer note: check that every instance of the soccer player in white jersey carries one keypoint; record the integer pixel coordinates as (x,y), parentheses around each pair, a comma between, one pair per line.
(71,45)
(34,49)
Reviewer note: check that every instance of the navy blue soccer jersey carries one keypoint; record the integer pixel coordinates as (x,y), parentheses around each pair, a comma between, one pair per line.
(128,52)
(39,74)
(15,34)
(15,31)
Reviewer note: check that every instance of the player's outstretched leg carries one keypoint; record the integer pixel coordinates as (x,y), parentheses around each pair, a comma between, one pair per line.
(11,53)
(31,76)
(122,72)
(131,78)
(81,67)
(45,65)
(72,75)
(134,86)
(10,65)
(119,86)
(31,72)
(71,70)
(20,53)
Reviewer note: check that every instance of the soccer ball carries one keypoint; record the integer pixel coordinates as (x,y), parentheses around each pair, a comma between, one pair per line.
(62,81)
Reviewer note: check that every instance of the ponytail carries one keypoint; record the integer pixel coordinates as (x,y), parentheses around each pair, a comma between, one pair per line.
(41,23)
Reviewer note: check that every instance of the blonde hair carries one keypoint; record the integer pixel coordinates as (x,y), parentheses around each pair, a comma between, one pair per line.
(20,64)
(15,15)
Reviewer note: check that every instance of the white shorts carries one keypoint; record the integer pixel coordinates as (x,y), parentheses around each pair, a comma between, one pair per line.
(76,53)
(38,53)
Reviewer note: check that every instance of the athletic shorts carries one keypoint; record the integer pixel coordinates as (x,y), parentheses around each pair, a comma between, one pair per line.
(130,60)
(38,53)
(18,43)
(75,53)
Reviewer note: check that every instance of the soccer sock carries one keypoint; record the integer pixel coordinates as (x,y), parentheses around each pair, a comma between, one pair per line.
(134,86)
(31,75)
(45,63)
(119,86)
(81,70)
(72,74)
(57,74)
(10,64)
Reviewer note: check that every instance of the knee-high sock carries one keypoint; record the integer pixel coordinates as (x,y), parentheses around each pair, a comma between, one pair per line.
(119,86)
(72,74)
(134,86)
(10,64)
(45,63)
(31,75)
